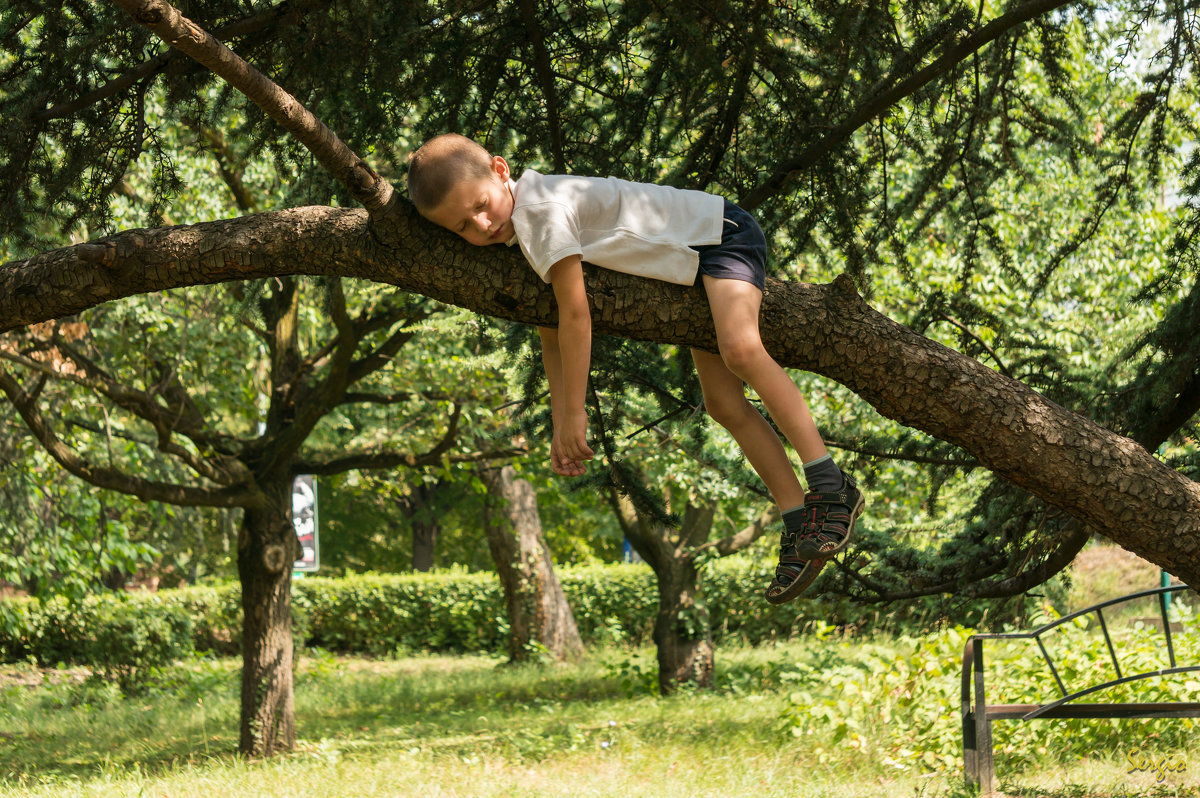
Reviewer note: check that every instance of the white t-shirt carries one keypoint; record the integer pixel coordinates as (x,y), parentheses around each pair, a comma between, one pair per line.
(636,228)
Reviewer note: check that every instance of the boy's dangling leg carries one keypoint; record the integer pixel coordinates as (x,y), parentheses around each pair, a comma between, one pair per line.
(833,502)
(725,401)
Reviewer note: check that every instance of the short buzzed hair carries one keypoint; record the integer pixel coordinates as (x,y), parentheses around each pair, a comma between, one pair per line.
(442,162)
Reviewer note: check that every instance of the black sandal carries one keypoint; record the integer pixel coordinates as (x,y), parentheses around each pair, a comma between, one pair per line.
(792,575)
(829,520)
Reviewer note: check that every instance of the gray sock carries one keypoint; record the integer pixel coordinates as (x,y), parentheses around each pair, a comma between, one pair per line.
(822,475)
(793,518)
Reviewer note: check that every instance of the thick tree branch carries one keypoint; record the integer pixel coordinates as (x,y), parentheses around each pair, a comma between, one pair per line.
(1107,481)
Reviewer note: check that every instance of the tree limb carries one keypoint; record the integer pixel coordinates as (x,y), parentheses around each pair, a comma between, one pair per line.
(242,495)
(286,13)
(742,539)
(331,152)
(880,454)
(1105,480)
(383,460)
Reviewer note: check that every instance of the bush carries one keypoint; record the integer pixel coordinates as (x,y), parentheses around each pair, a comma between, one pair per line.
(123,638)
(454,611)
(130,640)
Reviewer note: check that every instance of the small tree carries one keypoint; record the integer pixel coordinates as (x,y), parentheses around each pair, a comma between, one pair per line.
(538,613)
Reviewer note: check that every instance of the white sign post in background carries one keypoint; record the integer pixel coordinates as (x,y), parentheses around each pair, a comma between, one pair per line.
(304,519)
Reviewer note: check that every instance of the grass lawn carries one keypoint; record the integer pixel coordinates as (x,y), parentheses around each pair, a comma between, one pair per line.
(473,726)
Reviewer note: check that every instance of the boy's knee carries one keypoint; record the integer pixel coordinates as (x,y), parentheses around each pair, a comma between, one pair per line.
(728,411)
(742,353)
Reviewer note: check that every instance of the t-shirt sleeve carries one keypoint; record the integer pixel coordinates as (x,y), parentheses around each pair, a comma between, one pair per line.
(547,233)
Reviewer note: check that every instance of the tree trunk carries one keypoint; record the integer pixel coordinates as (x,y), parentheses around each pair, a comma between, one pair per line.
(424,536)
(416,508)
(682,634)
(266,551)
(538,612)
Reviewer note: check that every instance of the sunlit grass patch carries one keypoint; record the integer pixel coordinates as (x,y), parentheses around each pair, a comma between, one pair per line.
(475,726)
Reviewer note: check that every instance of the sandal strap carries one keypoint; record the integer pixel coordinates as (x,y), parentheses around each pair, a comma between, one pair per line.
(843,496)
(792,558)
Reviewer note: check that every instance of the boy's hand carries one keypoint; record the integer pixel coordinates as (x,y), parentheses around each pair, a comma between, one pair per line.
(569,447)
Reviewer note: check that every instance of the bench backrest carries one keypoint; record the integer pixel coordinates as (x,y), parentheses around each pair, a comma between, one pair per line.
(973,651)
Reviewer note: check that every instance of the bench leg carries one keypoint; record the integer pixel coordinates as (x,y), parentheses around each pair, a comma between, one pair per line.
(970,751)
(984,766)
(985,769)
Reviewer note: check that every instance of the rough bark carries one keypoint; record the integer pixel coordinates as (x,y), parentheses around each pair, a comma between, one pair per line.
(1105,480)
(682,634)
(266,550)
(538,611)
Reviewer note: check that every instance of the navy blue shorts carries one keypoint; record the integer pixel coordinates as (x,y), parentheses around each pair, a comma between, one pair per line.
(742,253)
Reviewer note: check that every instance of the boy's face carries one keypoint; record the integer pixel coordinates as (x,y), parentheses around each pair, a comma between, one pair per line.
(479,210)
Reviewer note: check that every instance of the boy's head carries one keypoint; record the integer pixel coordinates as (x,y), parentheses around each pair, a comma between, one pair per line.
(457,184)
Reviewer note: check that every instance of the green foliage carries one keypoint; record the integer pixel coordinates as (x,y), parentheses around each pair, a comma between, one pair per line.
(124,638)
(129,641)
(56,539)
(899,702)
(1009,208)
(455,611)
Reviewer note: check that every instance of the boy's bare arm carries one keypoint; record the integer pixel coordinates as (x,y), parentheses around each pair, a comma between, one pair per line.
(567,356)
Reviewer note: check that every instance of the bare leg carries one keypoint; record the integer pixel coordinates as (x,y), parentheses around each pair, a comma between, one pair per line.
(817,532)
(725,400)
(735,305)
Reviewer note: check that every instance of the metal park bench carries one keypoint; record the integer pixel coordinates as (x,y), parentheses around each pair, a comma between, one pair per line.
(978,714)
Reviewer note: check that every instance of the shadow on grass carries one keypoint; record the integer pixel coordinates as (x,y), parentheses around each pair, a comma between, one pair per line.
(56,732)
(59,732)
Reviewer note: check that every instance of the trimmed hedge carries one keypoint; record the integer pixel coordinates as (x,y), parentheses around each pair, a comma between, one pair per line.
(452,611)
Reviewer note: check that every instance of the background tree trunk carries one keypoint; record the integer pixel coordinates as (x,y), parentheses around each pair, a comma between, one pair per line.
(537,607)
(425,528)
(267,549)
(682,634)
(424,535)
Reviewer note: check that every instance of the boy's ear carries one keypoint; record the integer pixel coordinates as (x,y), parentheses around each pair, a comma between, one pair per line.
(500,167)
